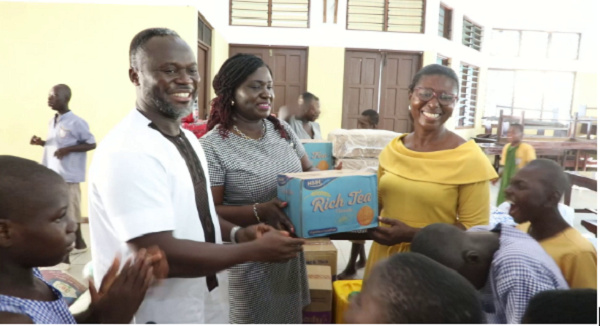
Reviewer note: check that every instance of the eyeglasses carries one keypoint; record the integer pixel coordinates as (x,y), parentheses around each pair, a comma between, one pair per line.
(426,94)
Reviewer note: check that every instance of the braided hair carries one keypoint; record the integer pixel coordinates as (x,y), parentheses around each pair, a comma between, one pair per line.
(232,74)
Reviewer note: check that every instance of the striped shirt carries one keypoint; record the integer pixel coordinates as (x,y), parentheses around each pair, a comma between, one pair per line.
(259,293)
(520,269)
(40,312)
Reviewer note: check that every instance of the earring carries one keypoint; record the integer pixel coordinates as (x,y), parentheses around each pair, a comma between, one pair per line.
(232,103)
(409,108)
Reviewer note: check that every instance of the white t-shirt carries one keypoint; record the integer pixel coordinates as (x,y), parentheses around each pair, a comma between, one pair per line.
(140,184)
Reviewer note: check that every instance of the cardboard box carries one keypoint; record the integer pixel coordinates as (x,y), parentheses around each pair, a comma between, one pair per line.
(360,143)
(319,311)
(358,164)
(321,251)
(327,202)
(319,153)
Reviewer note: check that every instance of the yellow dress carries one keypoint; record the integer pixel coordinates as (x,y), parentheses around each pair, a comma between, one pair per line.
(422,188)
(525,154)
(575,256)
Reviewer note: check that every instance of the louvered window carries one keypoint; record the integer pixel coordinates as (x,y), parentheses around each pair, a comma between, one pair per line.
(270,13)
(405,16)
(445,22)
(471,35)
(467,102)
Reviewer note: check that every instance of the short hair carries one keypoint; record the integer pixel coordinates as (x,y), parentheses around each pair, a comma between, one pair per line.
(441,242)
(517,126)
(141,38)
(65,88)
(372,115)
(575,306)
(308,97)
(433,69)
(231,75)
(415,289)
(19,177)
(554,178)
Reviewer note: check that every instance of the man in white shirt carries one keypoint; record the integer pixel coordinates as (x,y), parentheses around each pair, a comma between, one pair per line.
(149,185)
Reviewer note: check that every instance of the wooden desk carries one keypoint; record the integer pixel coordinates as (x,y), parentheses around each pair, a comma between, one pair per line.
(582,179)
(591,225)
(543,148)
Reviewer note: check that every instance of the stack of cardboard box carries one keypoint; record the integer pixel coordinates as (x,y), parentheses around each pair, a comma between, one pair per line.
(359,149)
(321,267)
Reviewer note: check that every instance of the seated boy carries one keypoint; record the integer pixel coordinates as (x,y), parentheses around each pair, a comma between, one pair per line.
(534,193)
(507,266)
(515,155)
(35,231)
(409,288)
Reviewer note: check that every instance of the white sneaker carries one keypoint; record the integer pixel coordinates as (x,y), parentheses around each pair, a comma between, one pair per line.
(62,267)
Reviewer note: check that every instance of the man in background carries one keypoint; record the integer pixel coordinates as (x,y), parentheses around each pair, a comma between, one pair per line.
(303,124)
(65,147)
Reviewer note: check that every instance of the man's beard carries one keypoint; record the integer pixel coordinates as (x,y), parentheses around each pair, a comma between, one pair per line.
(170,111)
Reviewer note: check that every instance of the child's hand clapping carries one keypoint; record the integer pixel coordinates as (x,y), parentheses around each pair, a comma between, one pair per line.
(120,295)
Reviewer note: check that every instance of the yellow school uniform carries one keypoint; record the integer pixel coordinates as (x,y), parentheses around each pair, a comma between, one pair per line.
(525,154)
(575,256)
(421,188)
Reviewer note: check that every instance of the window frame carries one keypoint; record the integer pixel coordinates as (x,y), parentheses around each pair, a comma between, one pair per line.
(386,19)
(269,15)
(463,96)
(548,45)
(471,44)
(446,61)
(510,110)
(447,24)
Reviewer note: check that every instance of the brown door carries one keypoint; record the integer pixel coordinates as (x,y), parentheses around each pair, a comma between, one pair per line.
(205,82)
(361,85)
(289,70)
(397,73)
(379,81)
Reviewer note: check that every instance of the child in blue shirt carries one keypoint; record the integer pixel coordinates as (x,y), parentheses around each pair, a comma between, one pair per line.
(35,231)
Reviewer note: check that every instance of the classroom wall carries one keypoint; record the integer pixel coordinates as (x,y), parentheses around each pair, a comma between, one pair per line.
(325,78)
(82,45)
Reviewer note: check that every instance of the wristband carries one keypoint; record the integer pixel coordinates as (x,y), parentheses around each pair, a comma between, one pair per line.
(256,212)
(233,232)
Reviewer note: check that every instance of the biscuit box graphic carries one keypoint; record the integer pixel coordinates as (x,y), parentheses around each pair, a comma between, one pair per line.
(327,202)
(319,153)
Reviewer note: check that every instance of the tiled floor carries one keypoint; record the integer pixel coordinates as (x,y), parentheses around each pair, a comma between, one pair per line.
(581,198)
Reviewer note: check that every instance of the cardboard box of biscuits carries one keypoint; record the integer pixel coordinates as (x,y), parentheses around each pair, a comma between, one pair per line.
(319,153)
(327,202)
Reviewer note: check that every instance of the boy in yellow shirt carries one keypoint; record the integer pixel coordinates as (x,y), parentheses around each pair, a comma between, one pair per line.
(534,193)
(515,155)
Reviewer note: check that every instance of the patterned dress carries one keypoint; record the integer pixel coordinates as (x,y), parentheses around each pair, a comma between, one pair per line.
(259,293)
(40,312)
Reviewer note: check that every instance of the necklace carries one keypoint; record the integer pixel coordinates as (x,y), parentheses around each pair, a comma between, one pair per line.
(243,135)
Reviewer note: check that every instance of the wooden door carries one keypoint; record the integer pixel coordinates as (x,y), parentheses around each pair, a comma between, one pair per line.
(397,73)
(205,81)
(361,85)
(288,66)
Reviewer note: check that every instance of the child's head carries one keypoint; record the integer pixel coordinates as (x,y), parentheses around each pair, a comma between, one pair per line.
(515,133)
(575,306)
(34,227)
(409,288)
(535,189)
(369,119)
(468,253)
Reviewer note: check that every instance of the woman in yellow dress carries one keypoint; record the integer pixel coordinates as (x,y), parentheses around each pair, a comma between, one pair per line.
(430,175)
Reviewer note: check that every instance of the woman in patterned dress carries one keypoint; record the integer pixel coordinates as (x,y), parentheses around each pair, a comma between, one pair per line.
(246,149)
